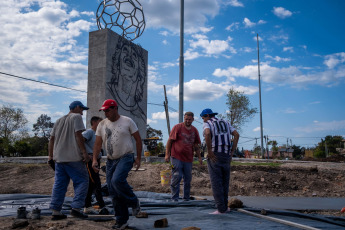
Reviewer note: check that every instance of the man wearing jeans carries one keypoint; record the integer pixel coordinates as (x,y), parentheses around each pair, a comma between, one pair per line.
(217,133)
(66,148)
(115,134)
(183,141)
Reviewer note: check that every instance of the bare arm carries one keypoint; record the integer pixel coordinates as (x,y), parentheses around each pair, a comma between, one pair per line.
(168,149)
(208,140)
(51,148)
(139,146)
(80,141)
(197,150)
(96,150)
(236,137)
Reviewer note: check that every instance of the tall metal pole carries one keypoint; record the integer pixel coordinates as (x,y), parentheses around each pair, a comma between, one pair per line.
(261,128)
(181,63)
(166,110)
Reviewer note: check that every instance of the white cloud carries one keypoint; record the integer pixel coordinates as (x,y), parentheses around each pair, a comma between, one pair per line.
(315,102)
(234,3)
(328,126)
(289,110)
(257,129)
(277,58)
(292,75)
(190,55)
(196,90)
(165,42)
(166,14)
(334,59)
(233,26)
(281,12)
(212,47)
(247,23)
(162,116)
(290,49)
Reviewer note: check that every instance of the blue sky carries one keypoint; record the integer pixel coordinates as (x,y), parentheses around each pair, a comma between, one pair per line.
(302,57)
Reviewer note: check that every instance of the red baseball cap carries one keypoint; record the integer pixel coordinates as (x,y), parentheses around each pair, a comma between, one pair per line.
(108,103)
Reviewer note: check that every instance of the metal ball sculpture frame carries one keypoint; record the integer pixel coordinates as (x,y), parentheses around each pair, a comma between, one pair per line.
(125,15)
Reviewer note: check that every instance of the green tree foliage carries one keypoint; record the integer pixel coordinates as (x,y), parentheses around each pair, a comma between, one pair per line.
(240,108)
(330,143)
(11,121)
(43,126)
(274,148)
(298,152)
(151,132)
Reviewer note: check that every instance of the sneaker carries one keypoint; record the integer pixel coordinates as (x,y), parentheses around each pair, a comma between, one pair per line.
(136,209)
(59,217)
(104,211)
(78,214)
(119,226)
(90,210)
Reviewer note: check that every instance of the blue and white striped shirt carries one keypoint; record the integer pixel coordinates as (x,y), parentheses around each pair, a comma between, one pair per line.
(221,131)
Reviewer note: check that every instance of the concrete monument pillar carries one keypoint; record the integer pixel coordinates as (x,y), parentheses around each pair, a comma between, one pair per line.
(117,70)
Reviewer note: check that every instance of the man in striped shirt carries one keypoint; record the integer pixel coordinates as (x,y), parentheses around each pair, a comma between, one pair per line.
(220,148)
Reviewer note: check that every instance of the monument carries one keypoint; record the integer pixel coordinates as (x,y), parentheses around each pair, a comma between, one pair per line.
(117,67)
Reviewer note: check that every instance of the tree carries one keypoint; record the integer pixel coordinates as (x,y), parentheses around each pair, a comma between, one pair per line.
(11,121)
(43,126)
(274,148)
(151,132)
(239,107)
(297,152)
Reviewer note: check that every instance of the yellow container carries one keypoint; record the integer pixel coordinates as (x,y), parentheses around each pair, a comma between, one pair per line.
(147,154)
(165,177)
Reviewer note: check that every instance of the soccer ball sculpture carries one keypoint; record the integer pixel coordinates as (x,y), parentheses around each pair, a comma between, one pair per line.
(124,15)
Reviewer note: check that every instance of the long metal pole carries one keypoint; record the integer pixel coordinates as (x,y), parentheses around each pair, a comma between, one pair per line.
(166,110)
(181,63)
(261,128)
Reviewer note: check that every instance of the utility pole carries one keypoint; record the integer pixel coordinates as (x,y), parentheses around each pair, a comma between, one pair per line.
(181,63)
(261,128)
(166,110)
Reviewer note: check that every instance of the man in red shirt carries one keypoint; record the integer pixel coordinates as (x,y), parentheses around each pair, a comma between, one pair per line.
(184,139)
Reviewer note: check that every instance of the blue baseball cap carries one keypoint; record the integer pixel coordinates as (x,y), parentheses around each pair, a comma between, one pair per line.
(207,112)
(77,103)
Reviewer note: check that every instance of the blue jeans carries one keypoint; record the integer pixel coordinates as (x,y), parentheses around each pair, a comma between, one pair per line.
(63,173)
(121,192)
(180,170)
(220,179)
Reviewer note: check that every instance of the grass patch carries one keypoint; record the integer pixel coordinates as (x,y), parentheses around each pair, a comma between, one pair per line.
(270,164)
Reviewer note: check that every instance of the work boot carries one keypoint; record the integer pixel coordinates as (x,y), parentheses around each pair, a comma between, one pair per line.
(136,208)
(119,226)
(90,210)
(78,214)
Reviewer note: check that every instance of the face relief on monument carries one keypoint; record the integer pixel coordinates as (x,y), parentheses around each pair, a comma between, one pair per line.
(128,77)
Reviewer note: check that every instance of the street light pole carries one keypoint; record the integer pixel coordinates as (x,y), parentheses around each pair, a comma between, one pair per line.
(261,128)
(181,63)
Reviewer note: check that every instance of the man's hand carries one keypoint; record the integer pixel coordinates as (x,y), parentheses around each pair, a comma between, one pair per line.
(200,161)
(86,158)
(211,156)
(51,163)
(167,158)
(95,166)
(137,163)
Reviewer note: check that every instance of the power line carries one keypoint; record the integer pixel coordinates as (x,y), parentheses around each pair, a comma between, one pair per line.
(42,82)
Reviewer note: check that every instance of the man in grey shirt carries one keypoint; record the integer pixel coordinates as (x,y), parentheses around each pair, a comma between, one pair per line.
(66,148)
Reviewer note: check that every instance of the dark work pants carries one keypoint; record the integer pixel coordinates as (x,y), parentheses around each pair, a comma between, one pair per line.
(94,186)
(220,179)
(121,192)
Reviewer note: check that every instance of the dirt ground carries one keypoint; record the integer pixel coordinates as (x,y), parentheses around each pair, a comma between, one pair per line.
(312,179)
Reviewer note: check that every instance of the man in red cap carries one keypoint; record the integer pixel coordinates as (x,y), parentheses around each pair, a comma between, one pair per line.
(115,134)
